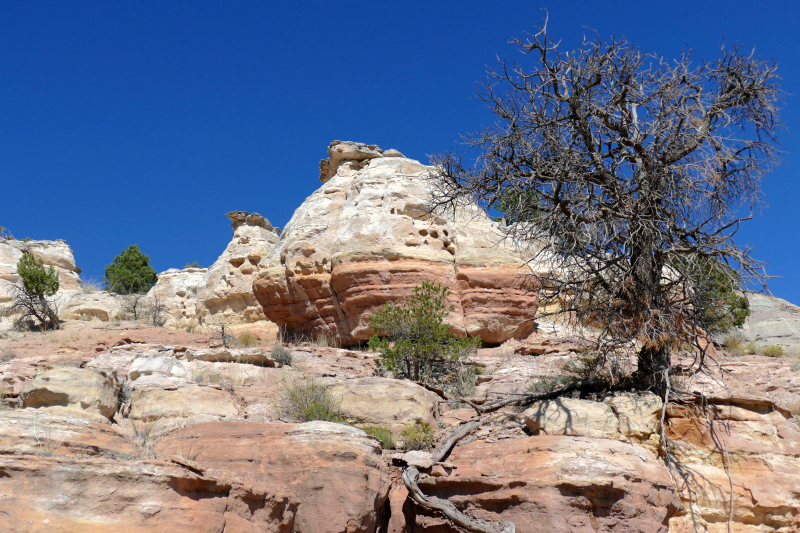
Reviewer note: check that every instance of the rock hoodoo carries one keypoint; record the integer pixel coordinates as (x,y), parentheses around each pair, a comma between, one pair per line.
(367,236)
(224,290)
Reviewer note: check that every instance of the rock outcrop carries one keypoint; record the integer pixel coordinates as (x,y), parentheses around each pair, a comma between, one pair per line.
(224,291)
(57,254)
(772,321)
(367,237)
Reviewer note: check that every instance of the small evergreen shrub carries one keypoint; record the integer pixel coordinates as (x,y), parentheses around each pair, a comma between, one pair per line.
(281,355)
(413,340)
(383,434)
(304,399)
(130,272)
(34,298)
(418,436)
(193,264)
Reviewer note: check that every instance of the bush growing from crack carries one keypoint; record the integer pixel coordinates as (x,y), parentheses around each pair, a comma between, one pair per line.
(418,436)
(281,355)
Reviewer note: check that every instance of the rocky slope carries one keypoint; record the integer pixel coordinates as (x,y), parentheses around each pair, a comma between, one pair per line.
(142,429)
(366,237)
(772,321)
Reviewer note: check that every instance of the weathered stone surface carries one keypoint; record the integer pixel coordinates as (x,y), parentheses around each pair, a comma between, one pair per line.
(71,495)
(179,405)
(557,484)
(617,417)
(223,292)
(56,253)
(772,321)
(75,389)
(31,431)
(384,401)
(737,450)
(334,471)
(366,237)
(102,306)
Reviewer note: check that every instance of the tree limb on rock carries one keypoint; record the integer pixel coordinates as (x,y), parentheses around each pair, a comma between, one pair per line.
(525,399)
(475,525)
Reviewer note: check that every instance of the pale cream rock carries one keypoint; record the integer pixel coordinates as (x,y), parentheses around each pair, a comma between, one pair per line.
(179,405)
(73,389)
(384,401)
(57,254)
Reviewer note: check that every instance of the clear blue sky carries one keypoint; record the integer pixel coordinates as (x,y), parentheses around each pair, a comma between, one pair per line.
(145,122)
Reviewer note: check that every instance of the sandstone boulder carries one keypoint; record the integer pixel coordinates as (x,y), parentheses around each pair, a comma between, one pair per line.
(102,306)
(333,471)
(74,389)
(367,237)
(384,401)
(623,417)
(31,431)
(169,406)
(556,484)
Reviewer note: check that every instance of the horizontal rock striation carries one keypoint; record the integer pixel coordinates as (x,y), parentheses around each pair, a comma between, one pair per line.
(366,237)
(57,254)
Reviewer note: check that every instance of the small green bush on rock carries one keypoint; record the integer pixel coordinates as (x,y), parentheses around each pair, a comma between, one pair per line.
(304,399)
(413,339)
(281,355)
(383,434)
(418,436)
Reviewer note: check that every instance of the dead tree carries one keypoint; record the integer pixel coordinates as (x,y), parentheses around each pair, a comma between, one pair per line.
(626,174)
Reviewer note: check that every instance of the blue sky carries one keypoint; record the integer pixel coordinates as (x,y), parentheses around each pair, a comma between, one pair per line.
(145,122)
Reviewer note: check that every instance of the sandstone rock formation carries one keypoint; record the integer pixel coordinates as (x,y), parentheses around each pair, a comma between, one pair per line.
(57,254)
(73,389)
(223,292)
(366,237)
(772,321)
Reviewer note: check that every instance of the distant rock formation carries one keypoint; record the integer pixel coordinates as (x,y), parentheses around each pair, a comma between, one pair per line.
(57,254)
(366,237)
(222,292)
(772,321)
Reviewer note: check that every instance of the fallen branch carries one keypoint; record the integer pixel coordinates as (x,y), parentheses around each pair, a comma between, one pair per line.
(475,525)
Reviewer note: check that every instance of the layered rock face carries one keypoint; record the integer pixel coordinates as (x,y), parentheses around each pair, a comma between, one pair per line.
(367,237)
(57,254)
(222,292)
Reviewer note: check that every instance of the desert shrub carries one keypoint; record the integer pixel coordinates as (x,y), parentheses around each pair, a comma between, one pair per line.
(90,286)
(383,434)
(304,399)
(222,334)
(413,339)
(125,393)
(418,436)
(247,339)
(751,348)
(461,382)
(33,299)
(193,264)
(281,355)
(130,272)
(325,340)
(773,350)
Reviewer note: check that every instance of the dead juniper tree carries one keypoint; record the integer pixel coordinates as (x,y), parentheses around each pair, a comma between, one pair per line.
(628,174)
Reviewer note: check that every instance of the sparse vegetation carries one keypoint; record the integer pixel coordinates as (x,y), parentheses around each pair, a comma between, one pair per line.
(383,434)
(548,384)
(125,393)
(193,264)
(773,350)
(418,436)
(33,299)
(130,272)
(90,286)
(281,355)
(413,340)
(222,333)
(304,399)
(248,340)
